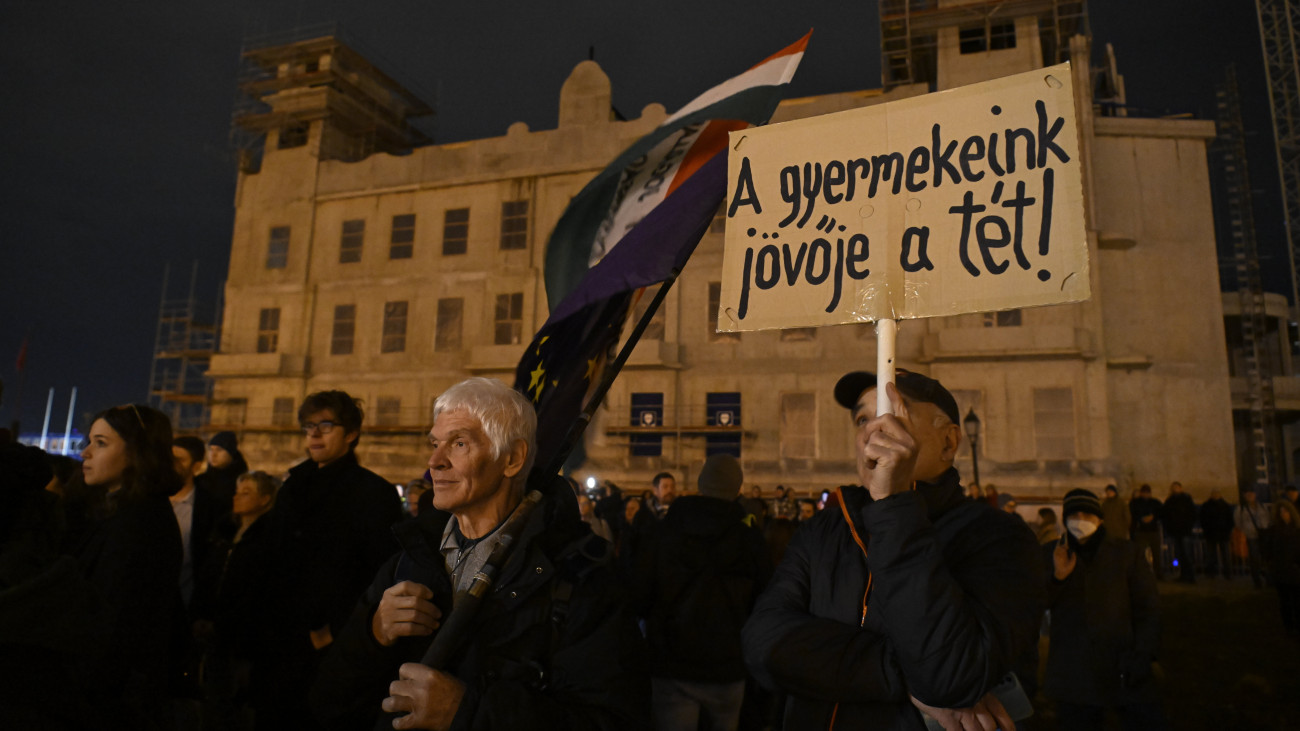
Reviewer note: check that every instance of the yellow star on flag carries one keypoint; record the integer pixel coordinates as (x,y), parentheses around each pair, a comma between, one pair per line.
(537,381)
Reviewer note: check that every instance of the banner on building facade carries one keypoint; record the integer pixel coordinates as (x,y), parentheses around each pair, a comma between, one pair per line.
(969,200)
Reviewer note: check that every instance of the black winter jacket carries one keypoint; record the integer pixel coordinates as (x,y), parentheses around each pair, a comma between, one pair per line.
(1105,626)
(238,577)
(536,660)
(1179,515)
(1216,519)
(949,598)
(132,559)
(697,575)
(330,531)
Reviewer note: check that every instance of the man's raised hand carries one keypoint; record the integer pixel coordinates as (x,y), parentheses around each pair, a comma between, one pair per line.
(887,450)
(406,610)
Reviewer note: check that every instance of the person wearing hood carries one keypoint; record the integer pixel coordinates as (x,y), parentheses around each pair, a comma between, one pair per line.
(696,577)
(1105,625)
(225,466)
(551,645)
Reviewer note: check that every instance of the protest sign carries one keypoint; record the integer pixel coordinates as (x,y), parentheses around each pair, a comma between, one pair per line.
(969,200)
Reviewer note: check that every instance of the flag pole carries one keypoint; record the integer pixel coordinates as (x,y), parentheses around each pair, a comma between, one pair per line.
(886,345)
(610,372)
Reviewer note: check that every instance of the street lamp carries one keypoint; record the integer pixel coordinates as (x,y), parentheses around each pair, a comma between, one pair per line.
(971,425)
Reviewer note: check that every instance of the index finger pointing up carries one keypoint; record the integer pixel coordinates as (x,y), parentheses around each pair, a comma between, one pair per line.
(900,406)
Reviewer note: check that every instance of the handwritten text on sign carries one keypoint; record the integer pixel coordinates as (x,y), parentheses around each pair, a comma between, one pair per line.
(968,200)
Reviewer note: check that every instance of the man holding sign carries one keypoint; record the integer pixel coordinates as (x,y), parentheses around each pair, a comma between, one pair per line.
(906,599)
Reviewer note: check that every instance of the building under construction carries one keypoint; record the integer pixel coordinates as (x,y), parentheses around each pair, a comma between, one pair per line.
(365,259)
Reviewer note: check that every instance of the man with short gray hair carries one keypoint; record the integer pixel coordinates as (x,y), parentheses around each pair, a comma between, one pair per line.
(548,646)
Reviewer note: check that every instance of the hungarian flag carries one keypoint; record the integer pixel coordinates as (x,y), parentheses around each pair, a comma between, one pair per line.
(632,226)
(654,168)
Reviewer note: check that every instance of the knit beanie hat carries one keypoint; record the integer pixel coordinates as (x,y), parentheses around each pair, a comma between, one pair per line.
(721,477)
(1081,501)
(226,440)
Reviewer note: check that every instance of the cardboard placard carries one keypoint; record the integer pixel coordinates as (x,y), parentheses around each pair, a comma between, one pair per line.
(969,200)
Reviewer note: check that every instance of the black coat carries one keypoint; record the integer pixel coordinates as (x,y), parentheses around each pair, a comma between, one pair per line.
(210,512)
(330,532)
(238,577)
(1179,515)
(1216,519)
(1105,625)
(1283,545)
(221,482)
(534,660)
(132,559)
(956,596)
(696,577)
(1141,507)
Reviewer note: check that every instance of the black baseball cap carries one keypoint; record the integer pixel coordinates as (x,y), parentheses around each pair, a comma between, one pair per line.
(912,385)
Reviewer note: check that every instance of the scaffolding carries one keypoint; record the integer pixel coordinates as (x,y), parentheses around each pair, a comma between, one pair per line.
(184,344)
(1277,31)
(909,31)
(1229,155)
(291,79)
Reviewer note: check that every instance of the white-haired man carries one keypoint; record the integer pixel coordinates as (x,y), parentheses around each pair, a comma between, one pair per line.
(545,650)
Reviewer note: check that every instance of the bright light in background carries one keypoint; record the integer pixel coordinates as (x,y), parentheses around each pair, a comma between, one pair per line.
(591,483)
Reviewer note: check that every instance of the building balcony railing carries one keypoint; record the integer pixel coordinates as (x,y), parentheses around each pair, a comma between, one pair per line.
(983,343)
(258,364)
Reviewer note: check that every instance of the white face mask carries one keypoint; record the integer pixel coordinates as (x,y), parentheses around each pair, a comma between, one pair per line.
(1080,528)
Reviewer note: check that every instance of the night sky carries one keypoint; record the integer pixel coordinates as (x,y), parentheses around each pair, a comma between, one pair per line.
(114,158)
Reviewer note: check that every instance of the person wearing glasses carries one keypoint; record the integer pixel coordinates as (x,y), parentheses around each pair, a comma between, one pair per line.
(330,531)
(124,536)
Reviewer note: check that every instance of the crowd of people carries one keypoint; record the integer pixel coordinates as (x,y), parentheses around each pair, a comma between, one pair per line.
(162,583)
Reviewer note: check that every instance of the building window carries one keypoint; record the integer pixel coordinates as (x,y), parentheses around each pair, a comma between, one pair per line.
(354,236)
(798,334)
(277,248)
(719,223)
(345,326)
(282,412)
(294,135)
(388,411)
(1005,318)
(394,340)
(514,225)
(715,297)
(447,336)
(1002,36)
(268,330)
(980,38)
(509,319)
(236,411)
(1054,423)
(455,231)
(654,330)
(798,426)
(401,243)
(647,412)
(723,410)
